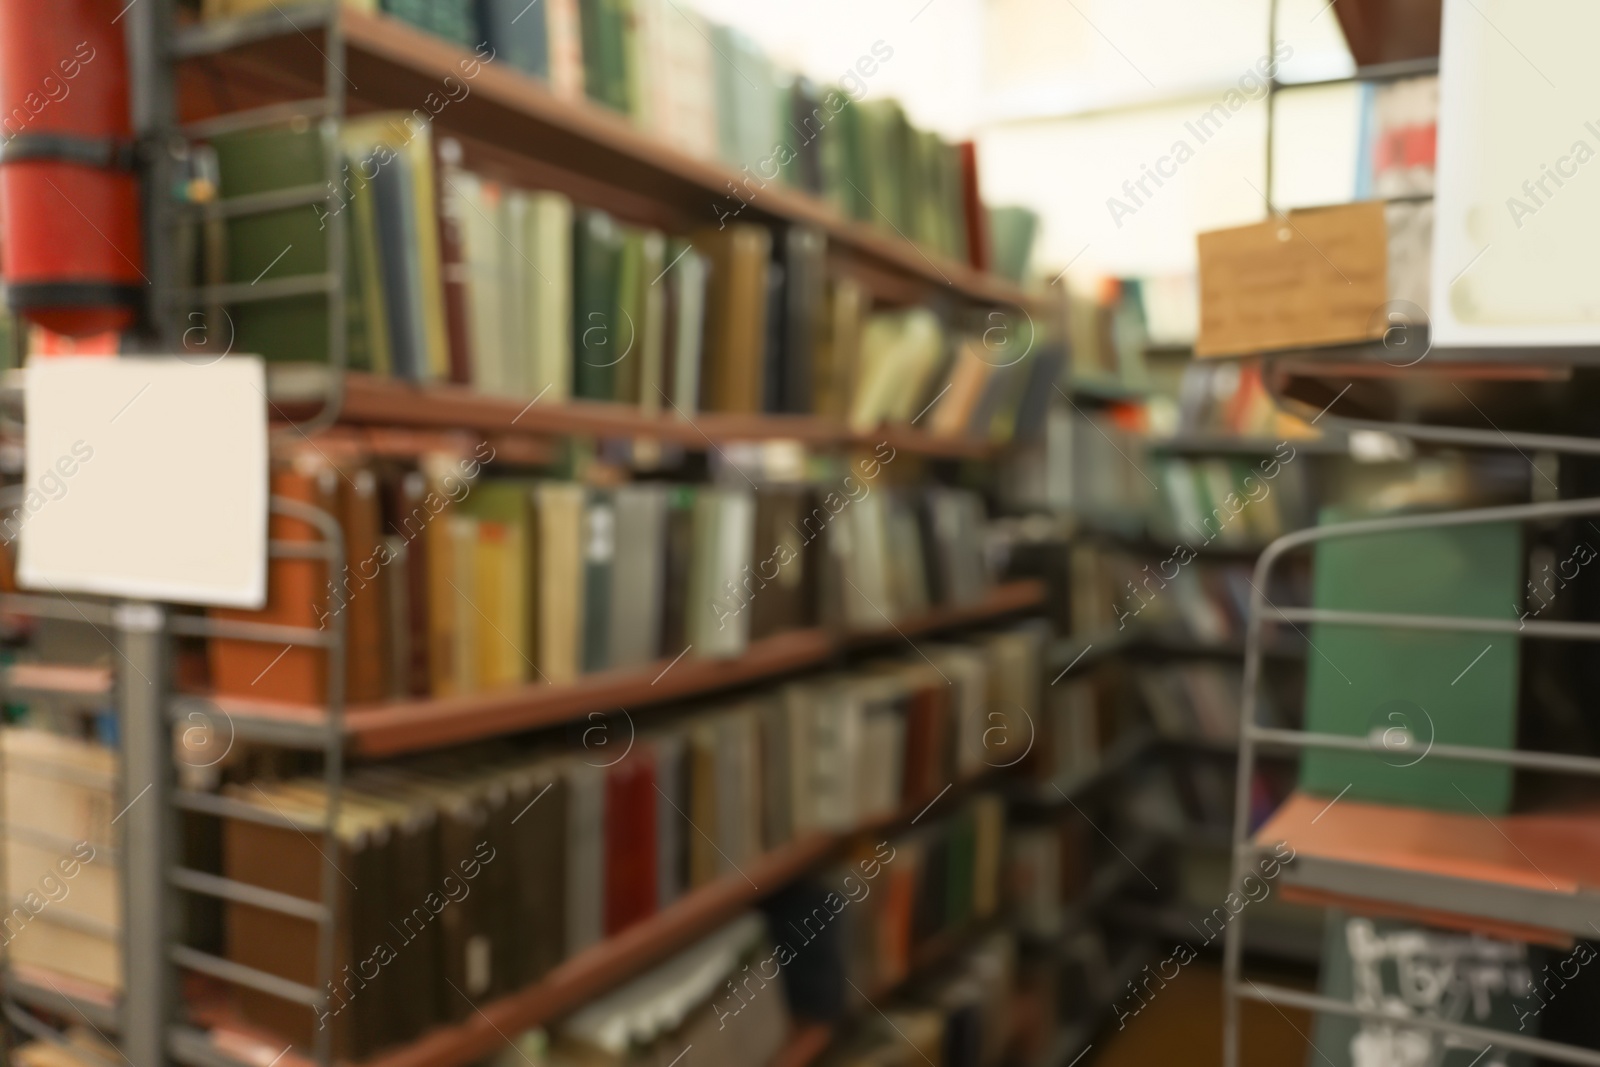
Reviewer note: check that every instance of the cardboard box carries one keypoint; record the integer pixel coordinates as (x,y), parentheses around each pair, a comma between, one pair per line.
(1313,277)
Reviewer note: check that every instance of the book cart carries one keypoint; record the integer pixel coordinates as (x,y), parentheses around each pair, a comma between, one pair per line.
(1465,873)
(315,54)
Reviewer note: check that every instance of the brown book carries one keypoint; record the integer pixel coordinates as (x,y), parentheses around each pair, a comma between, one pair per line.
(287,860)
(537,860)
(703,801)
(736,316)
(297,595)
(360,589)
(977,217)
(777,586)
(453,273)
(409,520)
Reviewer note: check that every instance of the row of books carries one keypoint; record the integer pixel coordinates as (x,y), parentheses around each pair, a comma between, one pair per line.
(455,276)
(1091,464)
(1195,700)
(527,856)
(455,583)
(708,90)
(1233,502)
(962,1015)
(1228,398)
(737,994)
(937,881)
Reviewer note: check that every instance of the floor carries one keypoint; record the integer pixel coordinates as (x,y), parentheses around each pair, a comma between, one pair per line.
(1182,1027)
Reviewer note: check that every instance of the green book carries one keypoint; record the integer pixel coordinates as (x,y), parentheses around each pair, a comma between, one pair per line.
(597,258)
(599,553)
(627,341)
(277,244)
(958,887)
(1011,234)
(1406,690)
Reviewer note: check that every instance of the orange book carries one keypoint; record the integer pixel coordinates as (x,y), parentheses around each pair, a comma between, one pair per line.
(297,595)
(1549,851)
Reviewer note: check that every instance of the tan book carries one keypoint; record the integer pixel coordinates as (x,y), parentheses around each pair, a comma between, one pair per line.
(736,316)
(561,585)
(838,350)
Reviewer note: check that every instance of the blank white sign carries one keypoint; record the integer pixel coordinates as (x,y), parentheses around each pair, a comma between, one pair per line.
(1518,210)
(146,478)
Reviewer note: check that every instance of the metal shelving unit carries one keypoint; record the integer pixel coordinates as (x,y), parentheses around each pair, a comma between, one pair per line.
(1487,901)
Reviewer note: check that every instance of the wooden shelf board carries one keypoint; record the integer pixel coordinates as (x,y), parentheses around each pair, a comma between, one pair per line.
(416,725)
(390,64)
(420,724)
(389,402)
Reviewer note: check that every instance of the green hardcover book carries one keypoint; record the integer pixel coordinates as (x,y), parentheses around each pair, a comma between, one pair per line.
(626,339)
(1407,690)
(597,254)
(277,244)
(599,555)
(364,301)
(959,856)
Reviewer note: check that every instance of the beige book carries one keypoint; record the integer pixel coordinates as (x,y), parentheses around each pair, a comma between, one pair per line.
(549,303)
(560,626)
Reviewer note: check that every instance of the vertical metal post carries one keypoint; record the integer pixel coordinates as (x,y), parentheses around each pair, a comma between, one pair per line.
(152,96)
(1272,94)
(147,838)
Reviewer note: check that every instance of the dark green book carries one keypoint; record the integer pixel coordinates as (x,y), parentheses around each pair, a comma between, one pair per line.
(1406,690)
(454,20)
(626,341)
(518,32)
(599,554)
(597,261)
(603,25)
(277,244)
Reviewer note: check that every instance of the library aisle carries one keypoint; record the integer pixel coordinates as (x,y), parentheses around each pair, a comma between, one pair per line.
(732,533)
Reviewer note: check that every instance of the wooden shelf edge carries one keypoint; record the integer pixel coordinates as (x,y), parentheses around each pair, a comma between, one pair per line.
(369,399)
(411,726)
(392,41)
(396,728)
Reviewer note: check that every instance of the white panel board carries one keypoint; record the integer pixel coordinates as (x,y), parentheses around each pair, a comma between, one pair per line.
(146,478)
(1518,214)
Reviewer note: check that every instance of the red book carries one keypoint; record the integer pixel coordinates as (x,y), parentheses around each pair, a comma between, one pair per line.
(927,743)
(972,207)
(630,842)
